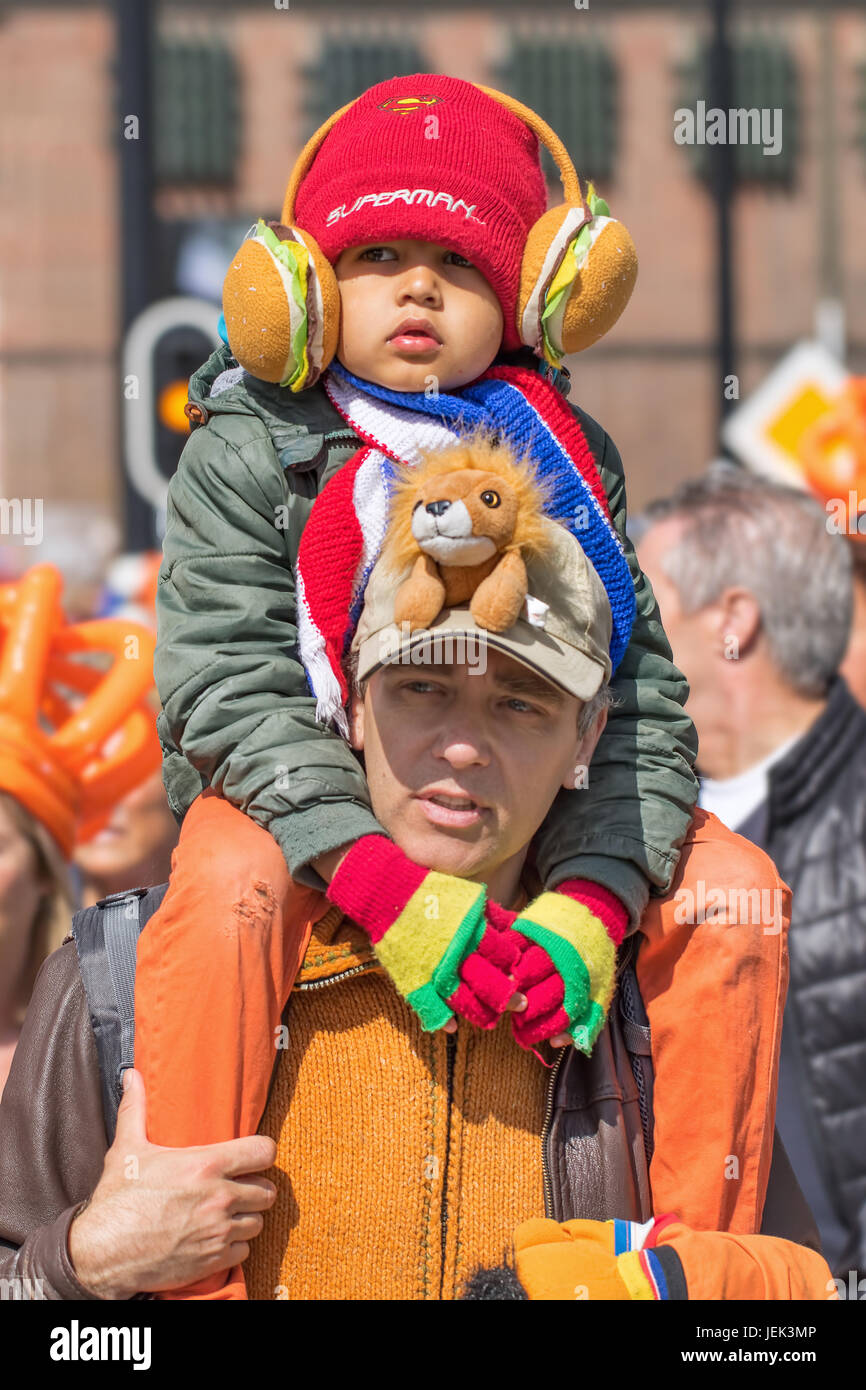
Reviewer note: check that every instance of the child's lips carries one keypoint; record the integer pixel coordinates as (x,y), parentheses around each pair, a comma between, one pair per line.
(414,342)
(415,335)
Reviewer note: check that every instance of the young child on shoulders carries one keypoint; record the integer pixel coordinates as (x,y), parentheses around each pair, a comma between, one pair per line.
(413,276)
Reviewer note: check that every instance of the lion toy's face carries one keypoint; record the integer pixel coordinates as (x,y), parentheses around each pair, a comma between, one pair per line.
(463,518)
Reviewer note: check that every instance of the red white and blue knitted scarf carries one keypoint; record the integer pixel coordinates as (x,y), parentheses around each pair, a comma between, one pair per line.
(346,528)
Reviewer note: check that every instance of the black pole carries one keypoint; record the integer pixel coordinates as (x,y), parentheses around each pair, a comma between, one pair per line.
(722,170)
(135,42)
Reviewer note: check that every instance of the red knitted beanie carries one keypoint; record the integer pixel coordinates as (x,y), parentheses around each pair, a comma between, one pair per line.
(429,158)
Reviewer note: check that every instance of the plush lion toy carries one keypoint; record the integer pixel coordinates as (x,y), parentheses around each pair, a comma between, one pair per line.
(464,518)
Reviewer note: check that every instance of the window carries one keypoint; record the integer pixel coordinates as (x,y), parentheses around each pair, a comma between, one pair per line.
(196,112)
(764,82)
(347,67)
(572,84)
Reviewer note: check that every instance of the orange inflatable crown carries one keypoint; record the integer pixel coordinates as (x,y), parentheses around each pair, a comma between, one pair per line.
(833,454)
(75,737)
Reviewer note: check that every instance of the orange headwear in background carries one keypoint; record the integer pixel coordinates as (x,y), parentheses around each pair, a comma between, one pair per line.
(75,735)
(833,455)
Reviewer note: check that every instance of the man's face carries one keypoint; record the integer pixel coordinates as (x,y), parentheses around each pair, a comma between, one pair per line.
(464,764)
(412,310)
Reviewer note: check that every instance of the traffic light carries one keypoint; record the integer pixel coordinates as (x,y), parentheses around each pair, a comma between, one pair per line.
(164,346)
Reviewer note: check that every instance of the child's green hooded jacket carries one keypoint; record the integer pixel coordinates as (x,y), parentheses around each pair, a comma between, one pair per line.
(237,713)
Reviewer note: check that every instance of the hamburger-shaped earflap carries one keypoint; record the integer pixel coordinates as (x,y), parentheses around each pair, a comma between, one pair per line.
(580,264)
(281,301)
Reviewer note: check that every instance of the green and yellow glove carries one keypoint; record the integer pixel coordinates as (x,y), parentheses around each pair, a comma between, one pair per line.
(422,924)
(567,963)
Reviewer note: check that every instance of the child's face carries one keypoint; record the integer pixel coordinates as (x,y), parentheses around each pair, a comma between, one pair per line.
(451,318)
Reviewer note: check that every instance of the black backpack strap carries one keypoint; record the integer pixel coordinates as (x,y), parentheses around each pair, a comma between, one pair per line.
(106,938)
(636,1036)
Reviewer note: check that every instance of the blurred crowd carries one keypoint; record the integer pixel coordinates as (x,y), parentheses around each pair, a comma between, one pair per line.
(764,606)
(65,841)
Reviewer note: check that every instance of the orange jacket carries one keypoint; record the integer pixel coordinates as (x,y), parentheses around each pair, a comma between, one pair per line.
(714,991)
(713,974)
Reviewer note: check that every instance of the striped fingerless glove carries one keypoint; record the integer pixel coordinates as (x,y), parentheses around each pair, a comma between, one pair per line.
(422,924)
(567,965)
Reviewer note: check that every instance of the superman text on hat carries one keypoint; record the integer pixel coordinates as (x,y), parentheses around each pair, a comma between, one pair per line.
(412,196)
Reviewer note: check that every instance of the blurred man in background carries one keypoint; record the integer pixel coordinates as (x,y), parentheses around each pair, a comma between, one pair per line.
(854,666)
(756,598)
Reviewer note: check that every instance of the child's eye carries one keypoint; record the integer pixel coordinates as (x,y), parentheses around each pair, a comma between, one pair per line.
(378,253)
(454,258)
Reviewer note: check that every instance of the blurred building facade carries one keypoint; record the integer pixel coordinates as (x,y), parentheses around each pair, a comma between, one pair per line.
(240,86)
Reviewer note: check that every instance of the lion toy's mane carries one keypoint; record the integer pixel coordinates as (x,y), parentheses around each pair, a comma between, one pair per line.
(477,451)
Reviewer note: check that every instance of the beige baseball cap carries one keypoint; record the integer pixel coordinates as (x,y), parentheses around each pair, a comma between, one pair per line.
(563,632)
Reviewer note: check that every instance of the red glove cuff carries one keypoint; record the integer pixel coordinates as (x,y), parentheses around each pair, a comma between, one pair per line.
(373,884)
(603,904)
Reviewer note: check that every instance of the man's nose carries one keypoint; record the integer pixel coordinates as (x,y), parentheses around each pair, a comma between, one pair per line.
(465,752)
(467,744)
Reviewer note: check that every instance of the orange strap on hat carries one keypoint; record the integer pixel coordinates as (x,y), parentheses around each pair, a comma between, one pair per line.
(75,736)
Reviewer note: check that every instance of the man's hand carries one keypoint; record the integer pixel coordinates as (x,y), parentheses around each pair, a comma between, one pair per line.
(161,1218)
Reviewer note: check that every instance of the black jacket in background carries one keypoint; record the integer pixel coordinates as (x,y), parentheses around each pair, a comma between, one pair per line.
(813,825)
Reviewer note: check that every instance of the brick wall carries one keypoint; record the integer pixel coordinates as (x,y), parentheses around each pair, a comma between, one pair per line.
(652,383)
(58,253)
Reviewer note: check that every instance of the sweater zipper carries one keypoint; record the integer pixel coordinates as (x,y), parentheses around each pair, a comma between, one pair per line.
(548,1116)
(450,1059)
(334,979)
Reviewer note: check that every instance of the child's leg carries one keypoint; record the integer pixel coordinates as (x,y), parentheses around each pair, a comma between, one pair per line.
(215,967)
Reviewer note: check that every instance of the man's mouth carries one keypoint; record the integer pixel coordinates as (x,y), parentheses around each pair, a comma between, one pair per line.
(415,335)
(443,808)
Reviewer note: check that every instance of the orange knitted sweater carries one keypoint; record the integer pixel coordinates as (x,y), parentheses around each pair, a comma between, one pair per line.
(433,1146)
(406,1159)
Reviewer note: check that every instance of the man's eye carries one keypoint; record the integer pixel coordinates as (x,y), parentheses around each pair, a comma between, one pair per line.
(378,253)
(456,259)
(525,708)
(417,686)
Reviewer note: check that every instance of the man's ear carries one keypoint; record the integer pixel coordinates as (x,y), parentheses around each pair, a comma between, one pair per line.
(737,619)
(577,775)
(356,722)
